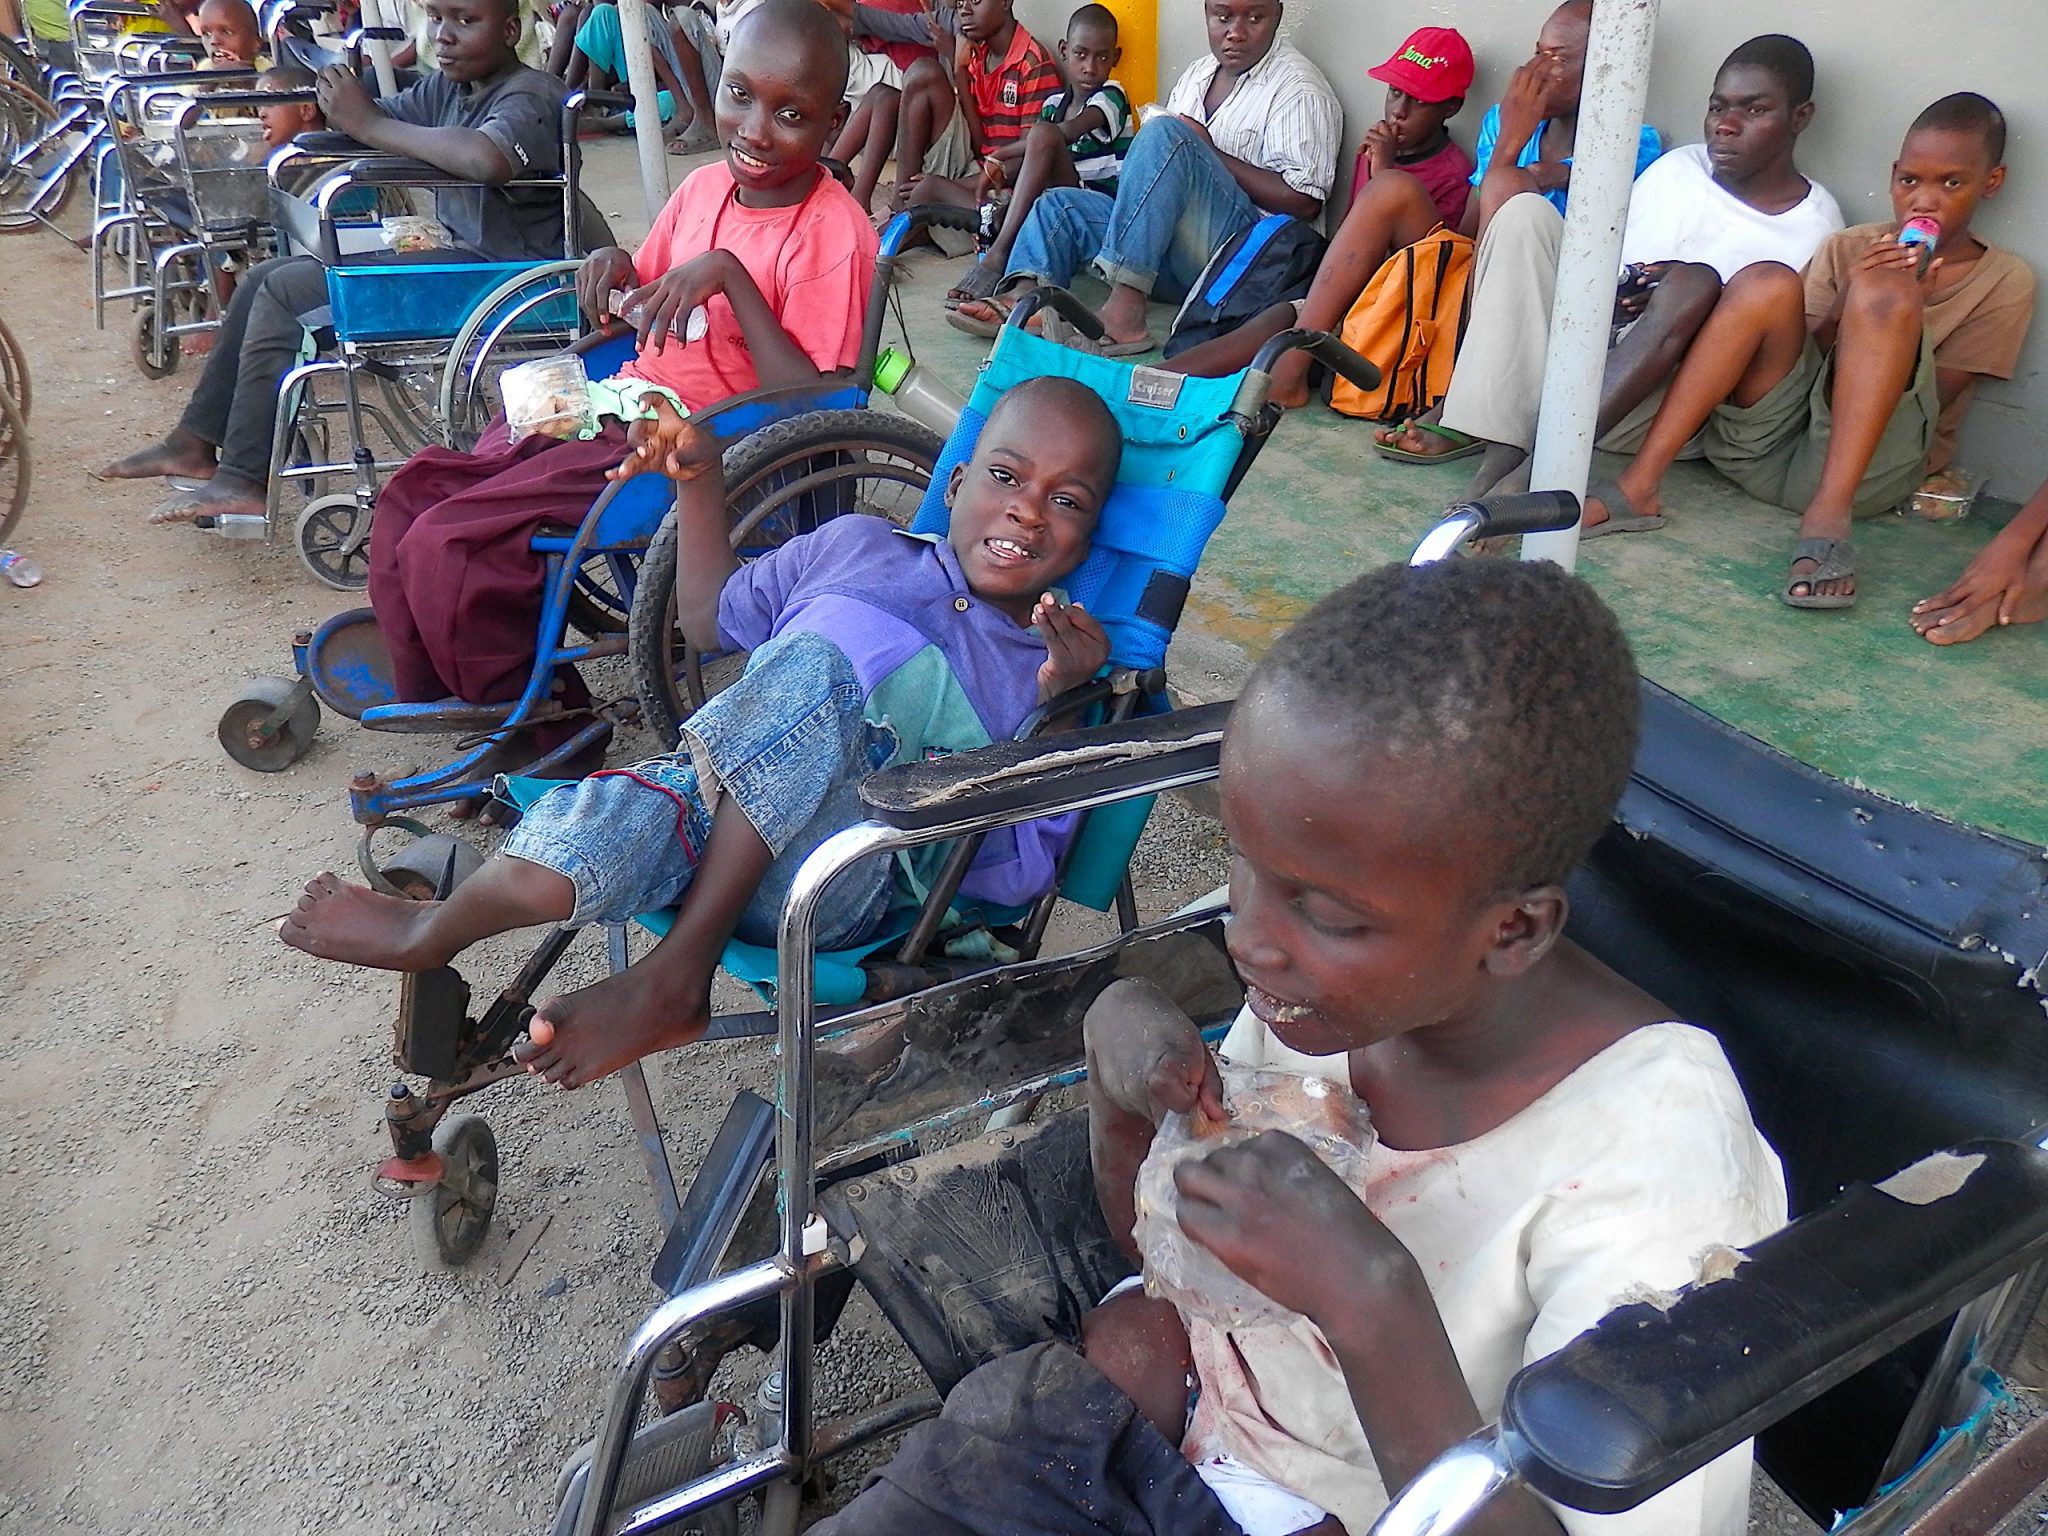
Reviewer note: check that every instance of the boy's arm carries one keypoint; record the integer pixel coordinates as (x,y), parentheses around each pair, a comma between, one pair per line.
(963,92)
(466,153)
(1521,114)
(1269,189)
(1284,1222)
(674,446)
(667,302)
(1088,120)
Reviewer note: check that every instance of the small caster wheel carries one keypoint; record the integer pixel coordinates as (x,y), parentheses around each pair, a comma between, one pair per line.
(431,867)
(242,731)
(334,542)
(450,1220)
(156,355)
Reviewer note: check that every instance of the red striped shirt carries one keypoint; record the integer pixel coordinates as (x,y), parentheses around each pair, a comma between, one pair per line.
(1009,96)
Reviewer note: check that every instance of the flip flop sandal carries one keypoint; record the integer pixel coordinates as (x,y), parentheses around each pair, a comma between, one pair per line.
(974,325)
(979,282)
(1061,331)
(1622,516)
(1462,446)
(1837,559)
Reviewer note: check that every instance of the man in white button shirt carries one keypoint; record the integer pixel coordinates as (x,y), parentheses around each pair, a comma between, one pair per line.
(1252,129)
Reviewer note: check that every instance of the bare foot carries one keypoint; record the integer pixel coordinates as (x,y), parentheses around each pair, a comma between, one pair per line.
(1414,437)
(357,926)
(221,495)
(179,454)
(592,1032)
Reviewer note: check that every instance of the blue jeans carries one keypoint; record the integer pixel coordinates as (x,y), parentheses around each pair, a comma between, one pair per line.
(787,742)
(1175,204)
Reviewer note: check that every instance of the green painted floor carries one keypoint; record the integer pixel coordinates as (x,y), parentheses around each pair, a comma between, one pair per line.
(1961,731)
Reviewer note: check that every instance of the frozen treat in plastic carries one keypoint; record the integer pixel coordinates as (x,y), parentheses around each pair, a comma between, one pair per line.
(411,233)
(548,397)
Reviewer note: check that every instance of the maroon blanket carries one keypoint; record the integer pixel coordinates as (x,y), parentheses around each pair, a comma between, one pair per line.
(456,589)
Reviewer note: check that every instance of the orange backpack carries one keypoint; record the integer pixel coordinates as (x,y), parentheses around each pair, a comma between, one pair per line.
(1409,320)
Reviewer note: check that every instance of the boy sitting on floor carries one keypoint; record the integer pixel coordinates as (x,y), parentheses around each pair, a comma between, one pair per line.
(1841,393)
(778,256)
(1407,781)
(1079,140)
(870,646)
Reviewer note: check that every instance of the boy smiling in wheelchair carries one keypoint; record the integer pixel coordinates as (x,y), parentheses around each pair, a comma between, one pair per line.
(869,646)
(1408,780)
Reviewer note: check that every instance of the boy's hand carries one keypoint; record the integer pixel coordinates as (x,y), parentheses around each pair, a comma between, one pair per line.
(671,444)
(1201,129)
(1075,646)
(1146,1057)
(665,303)
(1285,1224)
(602,273)
(344,101)
(1885,254)
(1379,146)
(1628,305)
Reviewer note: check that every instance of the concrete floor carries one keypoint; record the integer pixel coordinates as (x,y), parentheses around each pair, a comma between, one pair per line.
(1963,731)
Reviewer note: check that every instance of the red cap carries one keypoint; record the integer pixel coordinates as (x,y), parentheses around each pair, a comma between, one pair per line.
(1435,64)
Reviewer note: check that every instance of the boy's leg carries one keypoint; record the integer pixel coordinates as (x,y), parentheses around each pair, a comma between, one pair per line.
(865,141)
(1497,385)
(1750,343)
(1141,1345)
(1653,347)
(1047,163)
(357,926)
(948,191)
(1877,349)
(1062,232)
(1175,204)
(926,111)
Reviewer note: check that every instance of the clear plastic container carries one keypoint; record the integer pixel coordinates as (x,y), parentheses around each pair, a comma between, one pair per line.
(19,570)
(1324,1115)
(694,327)
(548,397)
(919,393)
(410,233)
(1946,505)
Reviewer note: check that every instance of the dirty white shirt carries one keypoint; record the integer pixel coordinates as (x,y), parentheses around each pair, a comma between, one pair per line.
(1610,1184)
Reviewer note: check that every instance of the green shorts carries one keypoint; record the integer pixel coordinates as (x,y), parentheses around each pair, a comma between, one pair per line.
(1774,449)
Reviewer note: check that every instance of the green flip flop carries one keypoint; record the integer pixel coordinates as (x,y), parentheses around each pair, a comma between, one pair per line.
(1462,446)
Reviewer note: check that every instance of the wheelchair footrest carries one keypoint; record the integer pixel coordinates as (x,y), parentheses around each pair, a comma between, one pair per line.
(444,716)
(666,1454)
(985,1247)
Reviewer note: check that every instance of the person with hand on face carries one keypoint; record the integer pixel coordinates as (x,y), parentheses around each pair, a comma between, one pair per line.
(1697,217)
(1408,780)
(484,119)
(1839,393)
(869,646)
(1251,129)
(777,257)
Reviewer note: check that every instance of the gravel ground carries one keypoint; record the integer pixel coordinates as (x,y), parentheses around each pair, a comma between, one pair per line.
(211,1323)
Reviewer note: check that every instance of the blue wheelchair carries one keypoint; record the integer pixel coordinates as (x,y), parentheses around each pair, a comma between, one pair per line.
(1189,442)
(590,569)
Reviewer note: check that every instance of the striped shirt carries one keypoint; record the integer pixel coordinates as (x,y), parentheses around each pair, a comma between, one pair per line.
(1098,155)
(1281,116)
(1010,96)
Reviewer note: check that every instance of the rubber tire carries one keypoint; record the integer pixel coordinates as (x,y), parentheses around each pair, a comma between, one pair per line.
(15,461)
(156,358)
(258,700)
(666,700)
(313,518)
(444,1237)
(14,376)
(430,868)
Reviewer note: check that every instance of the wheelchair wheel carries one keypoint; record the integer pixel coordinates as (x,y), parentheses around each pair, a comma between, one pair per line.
(531,314)
(14,379)
(240,730)
(601,602)
(24,116)
(156,354)
(334,542)
(449,1221)
(430,868)
(782,481)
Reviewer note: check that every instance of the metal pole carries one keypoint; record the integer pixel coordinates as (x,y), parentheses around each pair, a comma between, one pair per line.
(1603,168)
(380,51)
(646,105)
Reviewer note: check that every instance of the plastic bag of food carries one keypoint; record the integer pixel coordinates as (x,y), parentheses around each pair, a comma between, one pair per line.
(1324,1115)
(548,397)
(407,233)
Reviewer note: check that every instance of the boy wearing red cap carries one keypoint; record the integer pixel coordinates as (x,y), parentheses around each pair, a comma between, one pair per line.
(1410,178)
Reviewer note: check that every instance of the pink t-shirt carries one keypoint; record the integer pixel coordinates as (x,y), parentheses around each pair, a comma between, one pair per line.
(1446,176)
(812,262)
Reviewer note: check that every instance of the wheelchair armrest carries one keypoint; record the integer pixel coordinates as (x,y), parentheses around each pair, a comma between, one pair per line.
(1655,1391)
(1019,780)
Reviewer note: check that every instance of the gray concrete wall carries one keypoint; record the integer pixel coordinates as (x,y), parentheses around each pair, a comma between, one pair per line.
(1878,61)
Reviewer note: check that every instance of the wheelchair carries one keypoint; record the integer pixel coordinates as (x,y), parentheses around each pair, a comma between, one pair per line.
(1870,970)
(884,461)
(1184,453)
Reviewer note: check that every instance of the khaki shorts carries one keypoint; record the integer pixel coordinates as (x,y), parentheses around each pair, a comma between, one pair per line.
(1775,449)
(951,154)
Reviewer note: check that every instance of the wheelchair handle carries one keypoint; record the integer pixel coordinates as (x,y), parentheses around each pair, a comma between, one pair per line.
(611,101)
(1494,517)
(1061,302)
(1325,348)
(925,216)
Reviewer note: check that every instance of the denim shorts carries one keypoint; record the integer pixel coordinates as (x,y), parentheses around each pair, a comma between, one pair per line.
(787,742)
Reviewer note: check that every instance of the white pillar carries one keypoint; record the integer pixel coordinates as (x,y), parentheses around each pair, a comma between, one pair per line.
(1603,169)
(380,51)
(647,105)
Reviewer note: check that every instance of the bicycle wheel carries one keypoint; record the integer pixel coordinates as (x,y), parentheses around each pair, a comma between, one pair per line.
(780,482)
(14,379)
(14,466)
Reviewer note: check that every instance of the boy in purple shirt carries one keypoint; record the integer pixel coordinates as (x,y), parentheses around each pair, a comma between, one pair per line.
(870,646)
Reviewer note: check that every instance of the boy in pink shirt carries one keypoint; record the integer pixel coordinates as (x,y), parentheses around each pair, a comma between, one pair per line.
(780,258)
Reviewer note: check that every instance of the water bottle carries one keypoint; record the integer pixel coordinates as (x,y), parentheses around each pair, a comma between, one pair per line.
(919,393)
(693,329)
(19,569)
